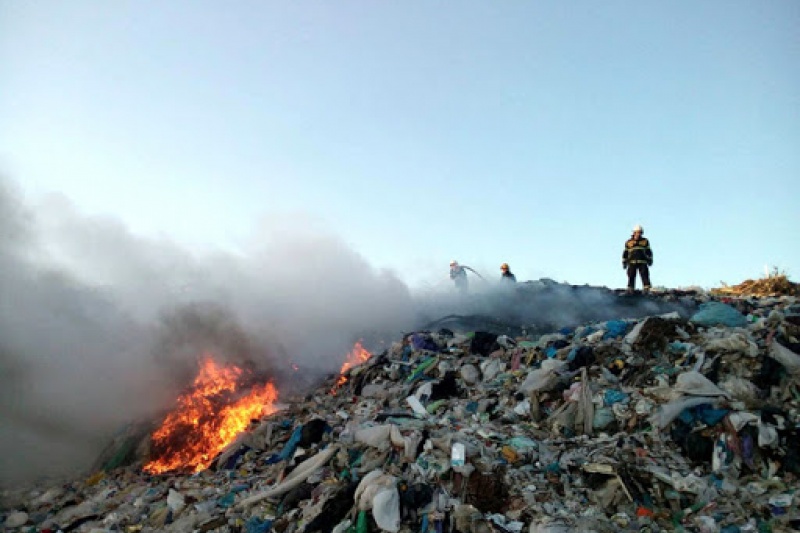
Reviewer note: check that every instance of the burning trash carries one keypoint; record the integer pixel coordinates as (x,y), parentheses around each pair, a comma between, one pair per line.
(355,357)
(684,420)
(208,418)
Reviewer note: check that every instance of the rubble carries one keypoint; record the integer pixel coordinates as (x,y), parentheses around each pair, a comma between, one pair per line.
(669,422)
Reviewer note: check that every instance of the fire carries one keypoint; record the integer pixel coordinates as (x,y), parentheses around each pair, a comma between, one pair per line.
(207,419)
(356,356)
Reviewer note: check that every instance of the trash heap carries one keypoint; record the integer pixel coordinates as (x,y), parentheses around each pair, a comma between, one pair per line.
(653,424)
(772,285)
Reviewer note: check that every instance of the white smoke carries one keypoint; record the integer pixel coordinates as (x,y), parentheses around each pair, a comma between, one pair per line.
(99,326)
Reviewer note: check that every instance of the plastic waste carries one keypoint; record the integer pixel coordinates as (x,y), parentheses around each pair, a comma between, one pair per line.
(612,396)
(718,313)
(175,501)
(362,525)
(736,343)
(470,374)
(696,384)
(417,406)
(458,455)
(786,357)
(615,328)
(668,412)
(491,368)
(603,418)
(386,509)
(255,524)
(16,519)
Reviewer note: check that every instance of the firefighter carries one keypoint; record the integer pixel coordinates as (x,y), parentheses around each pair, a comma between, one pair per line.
(506,275)
(637,257)
(459,276)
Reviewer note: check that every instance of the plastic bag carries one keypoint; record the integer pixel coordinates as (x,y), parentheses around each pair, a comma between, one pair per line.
(696,384)
(670,411)
(715,313)
(470,374)
(786,357)
(735,343)
(541,379)
(386,509)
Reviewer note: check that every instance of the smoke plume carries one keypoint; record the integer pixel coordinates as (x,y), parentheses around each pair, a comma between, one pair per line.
(99,326)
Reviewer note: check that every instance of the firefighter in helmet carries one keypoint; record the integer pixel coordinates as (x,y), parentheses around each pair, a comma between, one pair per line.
(637,257)
(459,276)
(506,275)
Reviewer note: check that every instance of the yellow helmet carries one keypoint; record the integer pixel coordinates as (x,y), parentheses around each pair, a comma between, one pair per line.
(504,266)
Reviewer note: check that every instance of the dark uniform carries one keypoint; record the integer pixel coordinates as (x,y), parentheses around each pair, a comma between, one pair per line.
(637,257)
(507,276)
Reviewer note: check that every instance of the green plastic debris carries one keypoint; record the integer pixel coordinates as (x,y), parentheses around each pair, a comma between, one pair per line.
(423,366)
(361,523)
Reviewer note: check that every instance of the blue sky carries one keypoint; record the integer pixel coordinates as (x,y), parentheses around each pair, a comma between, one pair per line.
(536,133)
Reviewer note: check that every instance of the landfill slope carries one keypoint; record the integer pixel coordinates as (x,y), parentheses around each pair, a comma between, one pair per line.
(669,422)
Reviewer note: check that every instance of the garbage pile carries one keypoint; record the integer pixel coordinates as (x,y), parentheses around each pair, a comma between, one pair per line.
(660,423)
(772,285)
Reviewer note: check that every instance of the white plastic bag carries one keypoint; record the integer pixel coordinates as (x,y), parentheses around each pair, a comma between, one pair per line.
(386,509)
(786,357)
(696,384)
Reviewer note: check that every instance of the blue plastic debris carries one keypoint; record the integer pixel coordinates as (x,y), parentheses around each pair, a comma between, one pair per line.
(615,328)
(572,353)
(256,525)
(227,500)
(230,464)
(705,413)
(718,313)
(613,396)
(289,448)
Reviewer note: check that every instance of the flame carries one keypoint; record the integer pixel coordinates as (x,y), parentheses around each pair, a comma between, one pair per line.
(207,419)
(355,357)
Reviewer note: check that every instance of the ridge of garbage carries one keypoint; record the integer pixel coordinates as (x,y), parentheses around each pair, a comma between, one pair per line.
(670,422)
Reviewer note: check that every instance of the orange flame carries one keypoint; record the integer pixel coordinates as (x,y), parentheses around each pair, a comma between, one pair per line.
(207,419)
(356,356)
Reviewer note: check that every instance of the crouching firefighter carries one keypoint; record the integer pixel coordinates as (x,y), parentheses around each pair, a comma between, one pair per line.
(637,257)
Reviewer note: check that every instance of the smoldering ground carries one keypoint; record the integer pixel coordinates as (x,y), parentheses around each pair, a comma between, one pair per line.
(100,327)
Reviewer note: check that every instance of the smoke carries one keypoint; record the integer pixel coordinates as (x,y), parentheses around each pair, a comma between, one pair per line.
(99,326)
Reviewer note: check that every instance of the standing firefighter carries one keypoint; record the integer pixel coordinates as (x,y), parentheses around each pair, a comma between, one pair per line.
(506,275)
(459,276)
(637,257)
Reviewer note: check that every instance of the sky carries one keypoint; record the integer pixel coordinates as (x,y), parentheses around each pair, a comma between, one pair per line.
(533,133)
(271,180)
